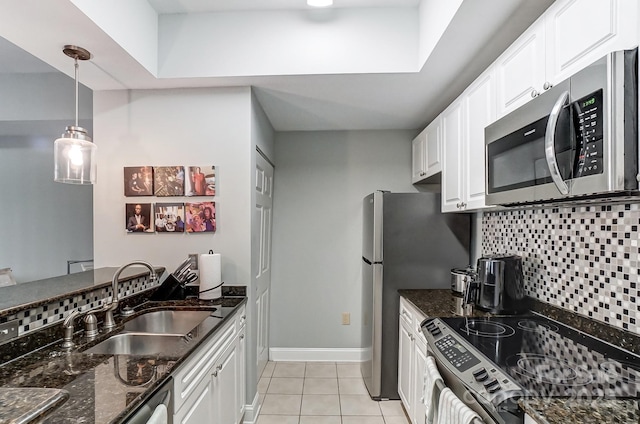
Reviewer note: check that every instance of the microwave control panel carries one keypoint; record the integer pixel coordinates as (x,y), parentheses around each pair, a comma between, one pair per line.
(589,129)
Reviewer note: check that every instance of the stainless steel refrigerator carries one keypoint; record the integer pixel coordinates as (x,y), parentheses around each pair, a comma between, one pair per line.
(407,244)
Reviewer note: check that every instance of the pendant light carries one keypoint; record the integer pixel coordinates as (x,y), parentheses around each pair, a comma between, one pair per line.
(74,154)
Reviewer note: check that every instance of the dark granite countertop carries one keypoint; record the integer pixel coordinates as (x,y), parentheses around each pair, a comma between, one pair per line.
(103,388)
(28,405)
(435,303)
(581,411)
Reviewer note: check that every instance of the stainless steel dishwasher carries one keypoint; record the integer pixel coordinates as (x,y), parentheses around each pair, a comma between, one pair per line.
(160,399)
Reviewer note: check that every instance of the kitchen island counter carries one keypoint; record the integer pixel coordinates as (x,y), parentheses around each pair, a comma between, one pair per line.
(104,388)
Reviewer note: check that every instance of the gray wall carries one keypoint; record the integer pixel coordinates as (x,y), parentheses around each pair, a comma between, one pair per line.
(320,181)
(44,223)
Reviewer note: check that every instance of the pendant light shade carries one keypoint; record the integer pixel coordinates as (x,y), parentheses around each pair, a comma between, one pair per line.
(74,154)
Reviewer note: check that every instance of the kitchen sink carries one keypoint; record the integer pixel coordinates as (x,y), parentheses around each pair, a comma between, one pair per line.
(152,333)
(136,344)
(166,322)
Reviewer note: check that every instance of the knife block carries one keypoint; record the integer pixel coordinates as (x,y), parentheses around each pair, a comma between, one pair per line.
(170,289)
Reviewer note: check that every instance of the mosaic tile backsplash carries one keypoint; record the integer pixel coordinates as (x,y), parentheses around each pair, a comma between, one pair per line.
(56,311)
(583,258)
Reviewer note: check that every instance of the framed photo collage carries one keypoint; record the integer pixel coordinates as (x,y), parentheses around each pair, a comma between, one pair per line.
(197,216)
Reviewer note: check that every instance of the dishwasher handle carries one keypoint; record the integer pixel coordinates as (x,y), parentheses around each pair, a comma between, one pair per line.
(160,400)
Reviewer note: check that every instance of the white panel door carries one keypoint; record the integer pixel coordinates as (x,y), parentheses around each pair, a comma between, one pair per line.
(263,220)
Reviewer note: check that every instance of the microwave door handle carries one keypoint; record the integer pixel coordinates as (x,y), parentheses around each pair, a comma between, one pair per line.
(550,143)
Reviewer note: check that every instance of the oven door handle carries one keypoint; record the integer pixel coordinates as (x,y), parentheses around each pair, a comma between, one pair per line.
(550,143)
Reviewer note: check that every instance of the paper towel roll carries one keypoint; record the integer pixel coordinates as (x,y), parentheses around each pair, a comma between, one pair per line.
(210,275)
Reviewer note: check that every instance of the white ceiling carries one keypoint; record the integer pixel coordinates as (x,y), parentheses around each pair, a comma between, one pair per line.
(408,100)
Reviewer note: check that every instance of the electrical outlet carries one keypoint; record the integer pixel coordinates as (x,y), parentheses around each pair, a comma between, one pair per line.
(346,318)
(194,261)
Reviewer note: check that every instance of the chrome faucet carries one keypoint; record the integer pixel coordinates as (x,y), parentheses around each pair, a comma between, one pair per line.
(109,322)
(91,326)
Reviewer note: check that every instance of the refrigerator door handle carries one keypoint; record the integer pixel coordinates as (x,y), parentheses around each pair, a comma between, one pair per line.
(367,261)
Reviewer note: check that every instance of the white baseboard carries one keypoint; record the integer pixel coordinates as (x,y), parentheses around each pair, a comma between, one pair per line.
(252,411)
(316,355)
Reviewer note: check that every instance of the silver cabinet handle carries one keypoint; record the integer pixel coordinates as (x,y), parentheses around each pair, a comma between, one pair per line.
(550,143)
(534,93)
(547,85)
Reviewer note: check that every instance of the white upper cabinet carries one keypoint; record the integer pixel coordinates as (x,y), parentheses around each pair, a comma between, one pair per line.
(463,126)
(520,70)
(426,153)
(580,32)
(479,102)
(454,173)
(569,36)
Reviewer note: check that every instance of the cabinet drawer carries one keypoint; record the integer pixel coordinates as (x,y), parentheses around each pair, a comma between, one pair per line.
(406,313)
(241,317)
(198,366)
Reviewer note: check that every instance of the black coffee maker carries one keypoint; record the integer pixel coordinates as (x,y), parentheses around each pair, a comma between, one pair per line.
(499,286)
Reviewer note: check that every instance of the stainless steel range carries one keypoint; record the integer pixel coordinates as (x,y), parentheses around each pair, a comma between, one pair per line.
(491,362)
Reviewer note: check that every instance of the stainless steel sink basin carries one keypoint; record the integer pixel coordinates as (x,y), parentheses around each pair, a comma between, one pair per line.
(136,344)
(151,333)
(166,322)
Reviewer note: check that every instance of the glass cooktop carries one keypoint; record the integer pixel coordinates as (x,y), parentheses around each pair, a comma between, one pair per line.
(547,358)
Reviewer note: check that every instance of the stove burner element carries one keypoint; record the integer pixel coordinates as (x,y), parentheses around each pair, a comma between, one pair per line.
(483,328)
(536,326)
(549,370)
(621,371)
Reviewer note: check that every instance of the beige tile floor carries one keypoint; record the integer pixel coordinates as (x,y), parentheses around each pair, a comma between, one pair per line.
(321,393)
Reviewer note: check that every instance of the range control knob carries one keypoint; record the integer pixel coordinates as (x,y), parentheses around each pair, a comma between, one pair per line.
(494,388)
(480,374)
(492,385)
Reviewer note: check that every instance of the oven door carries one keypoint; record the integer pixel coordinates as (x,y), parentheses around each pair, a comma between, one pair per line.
(530,153)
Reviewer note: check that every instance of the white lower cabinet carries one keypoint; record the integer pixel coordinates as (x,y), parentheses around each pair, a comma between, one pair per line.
(197,408)
(412,356)
(210,386)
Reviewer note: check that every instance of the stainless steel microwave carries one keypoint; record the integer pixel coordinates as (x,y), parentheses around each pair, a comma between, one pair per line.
(577,140)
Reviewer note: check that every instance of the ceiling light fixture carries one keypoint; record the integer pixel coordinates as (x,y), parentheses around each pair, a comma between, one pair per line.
(74,153)
(320,3)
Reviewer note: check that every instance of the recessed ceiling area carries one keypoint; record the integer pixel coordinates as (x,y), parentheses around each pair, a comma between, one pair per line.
(203,6)
(362,64)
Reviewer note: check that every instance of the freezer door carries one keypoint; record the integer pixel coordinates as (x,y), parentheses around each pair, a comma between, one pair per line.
(372,227)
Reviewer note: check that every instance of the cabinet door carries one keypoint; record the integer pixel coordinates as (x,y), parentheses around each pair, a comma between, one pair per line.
(520,70)
(419,368)
(405,359)
(453,172)
(480,111)
(242,373)
(225,386)
(197,408)
(581,32)
(433,153)
(418,147)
